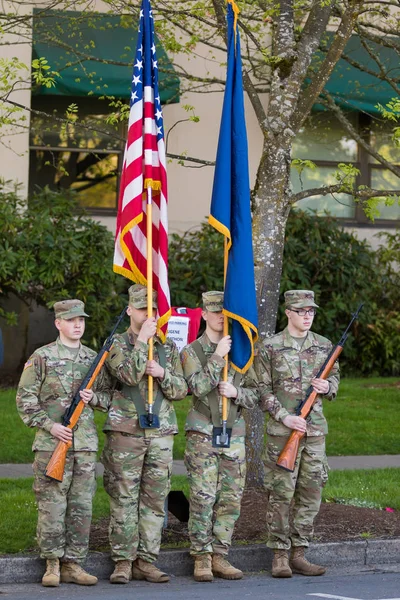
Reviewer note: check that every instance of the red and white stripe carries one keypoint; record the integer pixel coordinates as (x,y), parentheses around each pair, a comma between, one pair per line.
(144,159)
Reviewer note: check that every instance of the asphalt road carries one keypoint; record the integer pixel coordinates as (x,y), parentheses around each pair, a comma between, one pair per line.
(379,583)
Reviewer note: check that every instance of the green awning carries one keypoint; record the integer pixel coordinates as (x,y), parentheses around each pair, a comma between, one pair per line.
(355,89)
(66,38)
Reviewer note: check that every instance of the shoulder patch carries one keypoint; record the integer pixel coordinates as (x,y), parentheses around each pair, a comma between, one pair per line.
(29,363)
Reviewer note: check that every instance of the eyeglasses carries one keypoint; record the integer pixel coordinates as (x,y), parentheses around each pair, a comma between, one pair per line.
(302,313)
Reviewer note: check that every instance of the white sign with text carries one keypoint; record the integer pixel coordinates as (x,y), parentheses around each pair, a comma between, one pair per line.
(178,331)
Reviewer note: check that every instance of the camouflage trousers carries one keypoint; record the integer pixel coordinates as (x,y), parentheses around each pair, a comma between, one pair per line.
(65,508)
(299,491)
(216,482)
(137,477)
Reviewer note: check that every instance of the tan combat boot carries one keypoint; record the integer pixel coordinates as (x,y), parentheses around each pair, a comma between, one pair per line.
(300,564)
(52,576)
(280,564)
(202,568)
(71,572)
(122,572)
(222,568)
(141,569)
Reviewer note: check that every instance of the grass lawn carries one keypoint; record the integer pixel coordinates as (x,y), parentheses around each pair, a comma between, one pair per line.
(362,421)
(18,438)
(375,488)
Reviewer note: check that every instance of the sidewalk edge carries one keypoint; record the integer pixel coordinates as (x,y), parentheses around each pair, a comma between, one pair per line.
(252,558)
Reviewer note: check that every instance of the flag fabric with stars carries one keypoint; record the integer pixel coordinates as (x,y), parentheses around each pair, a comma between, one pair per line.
(144,167)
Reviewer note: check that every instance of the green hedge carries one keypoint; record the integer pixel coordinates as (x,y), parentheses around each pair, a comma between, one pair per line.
(342,270)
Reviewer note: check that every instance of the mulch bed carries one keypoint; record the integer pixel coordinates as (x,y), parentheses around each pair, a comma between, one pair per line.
(335,523)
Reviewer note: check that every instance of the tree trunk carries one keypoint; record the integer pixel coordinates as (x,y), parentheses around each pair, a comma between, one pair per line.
(270,213)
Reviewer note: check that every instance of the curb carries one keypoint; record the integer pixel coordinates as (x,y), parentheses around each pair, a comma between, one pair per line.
(252,558)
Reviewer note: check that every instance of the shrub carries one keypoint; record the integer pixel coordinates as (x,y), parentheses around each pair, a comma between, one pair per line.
(195,265)
(319,255)
(51,250)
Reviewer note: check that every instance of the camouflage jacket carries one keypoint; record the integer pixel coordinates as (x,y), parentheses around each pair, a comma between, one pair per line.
(127,363)
(47,386)
(284,372)
(202,380)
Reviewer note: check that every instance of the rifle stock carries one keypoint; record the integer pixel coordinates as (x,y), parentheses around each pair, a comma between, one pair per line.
(56,465)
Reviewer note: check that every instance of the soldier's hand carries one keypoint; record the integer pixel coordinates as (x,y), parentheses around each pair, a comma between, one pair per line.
(294,422)
(61,433)
(148,330)
(227,389)
(224,346)
(321,386)
(86,395)
(154,369)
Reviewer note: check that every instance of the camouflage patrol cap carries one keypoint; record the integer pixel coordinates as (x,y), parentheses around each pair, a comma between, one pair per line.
(213,301)
(299,299)
(69,309)
(138,296)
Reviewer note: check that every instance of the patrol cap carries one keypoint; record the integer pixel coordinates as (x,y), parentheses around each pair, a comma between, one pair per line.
(138,296)
(69,309)
(299,299)
(213,301)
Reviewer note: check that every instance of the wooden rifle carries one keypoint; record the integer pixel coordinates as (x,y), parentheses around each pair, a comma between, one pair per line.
(287,457)
(56,465)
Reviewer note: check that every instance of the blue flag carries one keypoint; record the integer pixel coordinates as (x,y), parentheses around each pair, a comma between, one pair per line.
(230,209)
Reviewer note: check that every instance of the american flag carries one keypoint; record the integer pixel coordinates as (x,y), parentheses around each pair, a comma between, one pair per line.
(144,167)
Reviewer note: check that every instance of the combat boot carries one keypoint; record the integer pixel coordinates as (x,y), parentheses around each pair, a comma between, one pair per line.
(52,576)
(222,568)
(202,568)
(71,572)
(141,569)
(300,564)
(122,572)
(280,564)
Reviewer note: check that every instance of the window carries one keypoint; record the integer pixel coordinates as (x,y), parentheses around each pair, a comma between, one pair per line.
(85,158)
(324,141)
(380,177)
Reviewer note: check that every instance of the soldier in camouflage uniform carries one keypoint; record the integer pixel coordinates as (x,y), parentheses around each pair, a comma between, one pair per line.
(286,366)
(216,475)
(48,384)
(138,462)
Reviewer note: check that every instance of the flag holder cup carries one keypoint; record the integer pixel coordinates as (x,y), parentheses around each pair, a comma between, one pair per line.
(221,436)
(149,421)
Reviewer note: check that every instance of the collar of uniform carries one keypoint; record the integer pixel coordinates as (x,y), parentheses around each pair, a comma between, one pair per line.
(290,342)
(63,354)
(132,336)
(207,343)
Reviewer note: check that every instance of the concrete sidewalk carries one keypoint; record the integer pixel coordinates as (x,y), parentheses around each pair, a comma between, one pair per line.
(336,463)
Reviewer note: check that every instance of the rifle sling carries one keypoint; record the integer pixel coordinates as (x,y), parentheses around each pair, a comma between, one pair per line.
(213,411)
(133,392)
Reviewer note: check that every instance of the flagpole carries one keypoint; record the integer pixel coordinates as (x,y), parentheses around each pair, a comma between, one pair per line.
(149,241)
(225,332)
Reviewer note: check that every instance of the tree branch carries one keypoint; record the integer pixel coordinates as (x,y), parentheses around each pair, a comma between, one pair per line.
(199,161)
(363,194)
(309,95)
(328,101)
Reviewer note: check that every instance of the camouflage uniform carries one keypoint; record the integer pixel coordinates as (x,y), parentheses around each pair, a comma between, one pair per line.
(285,369)
(50,379)
(216,475)
(138,462)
